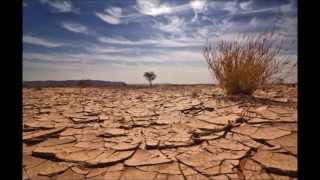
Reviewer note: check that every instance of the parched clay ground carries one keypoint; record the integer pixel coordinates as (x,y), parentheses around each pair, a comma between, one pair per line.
(169,133)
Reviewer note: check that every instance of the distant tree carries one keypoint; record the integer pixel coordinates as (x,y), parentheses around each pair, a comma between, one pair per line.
(150,76)
(84,83)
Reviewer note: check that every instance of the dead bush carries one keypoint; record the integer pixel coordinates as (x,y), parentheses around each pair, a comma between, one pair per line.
(243,65)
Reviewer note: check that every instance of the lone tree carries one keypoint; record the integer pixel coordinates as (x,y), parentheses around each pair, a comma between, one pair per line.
(150,76)
(83,83)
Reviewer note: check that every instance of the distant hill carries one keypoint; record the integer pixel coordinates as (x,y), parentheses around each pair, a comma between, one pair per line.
(70,83)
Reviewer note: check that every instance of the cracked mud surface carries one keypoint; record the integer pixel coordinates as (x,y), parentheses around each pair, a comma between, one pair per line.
(173,132)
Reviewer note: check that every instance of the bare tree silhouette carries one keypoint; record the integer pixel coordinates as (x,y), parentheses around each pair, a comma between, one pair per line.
(150,76)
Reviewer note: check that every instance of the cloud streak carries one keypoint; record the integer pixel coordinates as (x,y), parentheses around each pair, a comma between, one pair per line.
(152,8)
(143,34)
(174,25)
(156,42)
(198,6)
(40,42)
(62,6)
(74,27)
(112,15)
(77,28)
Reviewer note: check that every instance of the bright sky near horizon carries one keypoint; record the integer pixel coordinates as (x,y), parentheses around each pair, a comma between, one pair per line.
(119,40)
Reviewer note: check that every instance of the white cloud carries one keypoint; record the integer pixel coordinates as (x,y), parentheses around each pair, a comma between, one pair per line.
(152,7)
(39,41)
(112,16)
(75,27)
(61,6)
(246,8)
(198,6)
(202,32)
(121,41)
(24,4)
(105,49)
(52,57)
(78,28)
(156,42)
(246,5)
(232,7)
(121,56)
(254,22)
(288,7)
(108,19)
(174,25)
(114,11)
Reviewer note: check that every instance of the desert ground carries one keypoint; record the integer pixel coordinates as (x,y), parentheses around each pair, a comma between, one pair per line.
(190,132)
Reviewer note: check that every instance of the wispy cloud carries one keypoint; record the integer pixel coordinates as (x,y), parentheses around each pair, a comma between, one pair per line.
(174,25)
(77,28)
(155,42)
(249,9)
(50,58)
(159,35)
(154,57)
(232,7)
(107,18)
(112,15)
(246,5)
(105,49)
(198,6)
(114,11)
(40,41)
(24,4)
(152,8)
(60,6)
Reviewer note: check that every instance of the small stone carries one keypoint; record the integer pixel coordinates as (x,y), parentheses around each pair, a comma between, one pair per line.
(220,120)
(113,133)
(152,144)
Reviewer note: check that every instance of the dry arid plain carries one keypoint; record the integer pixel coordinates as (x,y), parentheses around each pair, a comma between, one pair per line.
(190,132)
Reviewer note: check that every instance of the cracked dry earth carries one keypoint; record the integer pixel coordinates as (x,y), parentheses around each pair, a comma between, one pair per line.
(169,133)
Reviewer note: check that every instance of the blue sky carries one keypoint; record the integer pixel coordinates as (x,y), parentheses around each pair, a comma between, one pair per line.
(119,40)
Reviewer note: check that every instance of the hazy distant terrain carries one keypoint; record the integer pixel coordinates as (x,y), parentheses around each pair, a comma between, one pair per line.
(70,83)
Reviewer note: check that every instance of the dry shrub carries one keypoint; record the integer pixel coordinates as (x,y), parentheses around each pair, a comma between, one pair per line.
(243,66)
